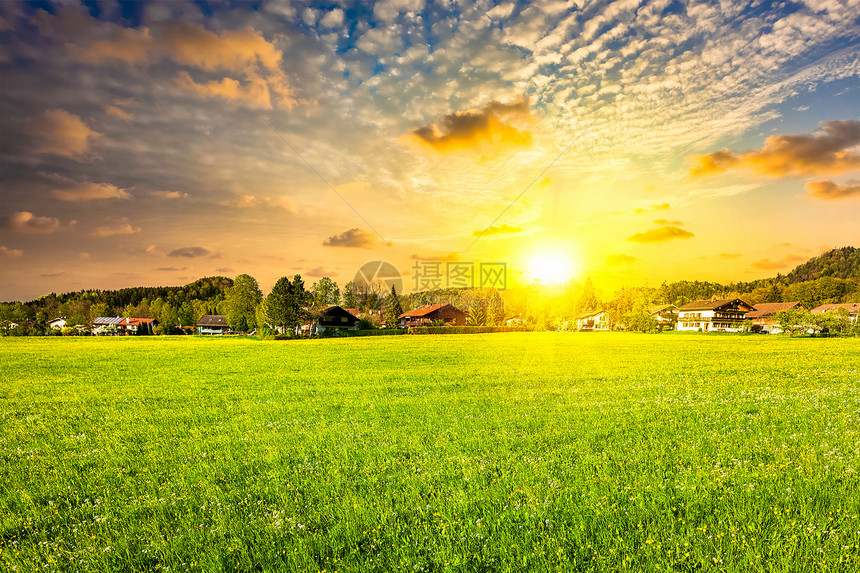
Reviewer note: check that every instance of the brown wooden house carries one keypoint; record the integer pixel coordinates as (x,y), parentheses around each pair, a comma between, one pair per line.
(428,314)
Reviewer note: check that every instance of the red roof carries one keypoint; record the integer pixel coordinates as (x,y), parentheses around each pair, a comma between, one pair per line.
(353,311)
(137,321)
(765,309)
(422,310)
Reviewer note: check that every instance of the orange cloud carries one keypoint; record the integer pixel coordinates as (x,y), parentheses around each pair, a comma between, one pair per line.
(189,252)
(826,152)
(729,256)
(88,191)
(249,201)
(768,265)
(117,112)
(621,259)
(27,222)
(353,238)
(830,190)
(124,228)
(487,130)
(666,233)
(244,54)
(168,194)
(500,230)
(450,257)
(667,222)
(10,253)
(59,132)
(653,207)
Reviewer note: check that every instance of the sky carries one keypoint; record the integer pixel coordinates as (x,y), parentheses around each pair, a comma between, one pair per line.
(154,143)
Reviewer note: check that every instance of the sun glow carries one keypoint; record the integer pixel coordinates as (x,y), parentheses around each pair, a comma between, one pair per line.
(550,267)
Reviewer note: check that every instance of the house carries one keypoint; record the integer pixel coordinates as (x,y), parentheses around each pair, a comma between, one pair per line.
(666,315)
(722,315)
(131,325)
(428,314)
(764,315)
(593,320)
(58,323)
(853,309)
(331,318)
(106,325)
(122,326)
(212,324)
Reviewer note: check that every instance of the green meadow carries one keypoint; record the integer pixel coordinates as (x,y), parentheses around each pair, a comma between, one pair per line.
(502,452)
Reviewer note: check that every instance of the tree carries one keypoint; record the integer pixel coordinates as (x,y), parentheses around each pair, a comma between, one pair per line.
(285,304)
(325,292)
(477,315)
(792,320)
(241,303)
(350,295)
(393,308)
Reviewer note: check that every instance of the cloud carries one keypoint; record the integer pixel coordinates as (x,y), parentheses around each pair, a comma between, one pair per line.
(123,228)
(171,269)
(168,194)
(333,19)
(27,222)
(59,132)
(502,229)
(189,252)
(450,257)
(667,222)
(826,152)
(88,191)
(244,54)
(729,256)
(250,201)
(621,259)
(652,207)
(355,238)
(321,272)
(487,130)
(10,253)
(768,265)
(666,233)
(830,190)
(117,112)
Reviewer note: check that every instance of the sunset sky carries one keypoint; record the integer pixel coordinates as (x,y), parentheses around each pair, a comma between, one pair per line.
(635,142)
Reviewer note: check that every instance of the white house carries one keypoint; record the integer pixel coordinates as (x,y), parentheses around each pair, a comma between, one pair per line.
(764,316)
(593,320)
(58,323)
(715,315)
(212,324)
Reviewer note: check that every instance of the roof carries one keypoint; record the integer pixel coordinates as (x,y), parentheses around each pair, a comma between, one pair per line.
(662,307)
(353,311)
(852,307)
(137,321)
(426,309)
(712,304)
(108,320)
(765,309)
(589,313)
(213,320)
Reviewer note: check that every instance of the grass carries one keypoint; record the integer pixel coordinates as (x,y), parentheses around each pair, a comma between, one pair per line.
(504,452)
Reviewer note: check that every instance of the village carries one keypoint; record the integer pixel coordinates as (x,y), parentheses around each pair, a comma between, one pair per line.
(713,315)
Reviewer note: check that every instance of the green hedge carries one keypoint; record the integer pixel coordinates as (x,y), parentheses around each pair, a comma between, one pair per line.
(465,329)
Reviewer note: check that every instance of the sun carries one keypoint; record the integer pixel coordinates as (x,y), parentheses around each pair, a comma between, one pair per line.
(550,267)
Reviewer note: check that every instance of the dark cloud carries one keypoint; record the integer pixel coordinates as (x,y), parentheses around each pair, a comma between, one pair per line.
(171,269)
(826,152)
(830,190)
(488,129)
(353,238)
(666,233)
(190,252)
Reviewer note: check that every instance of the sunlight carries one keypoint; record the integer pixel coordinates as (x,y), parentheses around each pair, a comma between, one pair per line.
(550,267)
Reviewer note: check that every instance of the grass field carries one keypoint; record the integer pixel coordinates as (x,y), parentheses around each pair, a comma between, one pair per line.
(506,452)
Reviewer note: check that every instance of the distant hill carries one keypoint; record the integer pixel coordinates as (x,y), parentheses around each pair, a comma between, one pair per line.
(841,263)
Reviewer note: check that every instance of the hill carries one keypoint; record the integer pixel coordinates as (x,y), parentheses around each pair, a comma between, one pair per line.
(841,263)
